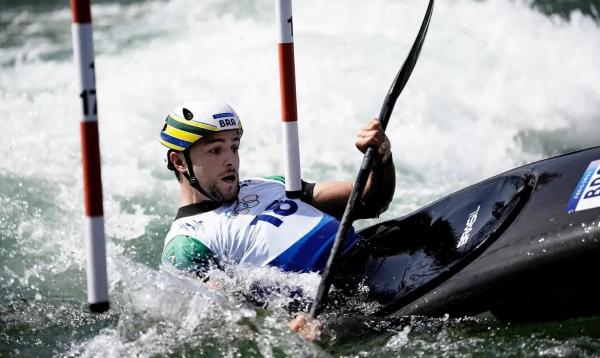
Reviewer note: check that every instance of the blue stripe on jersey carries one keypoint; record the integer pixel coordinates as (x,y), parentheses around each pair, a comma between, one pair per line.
(310,253)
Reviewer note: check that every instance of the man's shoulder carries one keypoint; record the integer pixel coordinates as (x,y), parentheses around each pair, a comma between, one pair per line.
(189,254)
(185,226)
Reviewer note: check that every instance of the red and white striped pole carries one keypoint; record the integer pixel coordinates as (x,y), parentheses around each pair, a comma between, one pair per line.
(289,114)
(83,51)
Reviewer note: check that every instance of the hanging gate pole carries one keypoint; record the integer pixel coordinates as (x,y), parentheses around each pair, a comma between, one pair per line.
(289,114)
(83,51)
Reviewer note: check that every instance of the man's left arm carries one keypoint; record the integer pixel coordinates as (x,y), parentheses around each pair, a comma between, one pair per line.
(331,197)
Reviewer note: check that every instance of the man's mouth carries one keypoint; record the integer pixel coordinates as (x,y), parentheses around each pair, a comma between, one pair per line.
(229,178)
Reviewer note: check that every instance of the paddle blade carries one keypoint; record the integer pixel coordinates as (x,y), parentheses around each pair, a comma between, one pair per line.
(406,70)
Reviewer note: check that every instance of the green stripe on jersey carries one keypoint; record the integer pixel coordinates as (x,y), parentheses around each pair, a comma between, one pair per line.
(188,254)
(278,178)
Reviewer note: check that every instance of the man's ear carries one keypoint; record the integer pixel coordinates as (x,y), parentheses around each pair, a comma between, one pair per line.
(177,161)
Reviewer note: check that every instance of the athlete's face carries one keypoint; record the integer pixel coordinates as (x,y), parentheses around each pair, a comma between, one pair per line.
(216,164)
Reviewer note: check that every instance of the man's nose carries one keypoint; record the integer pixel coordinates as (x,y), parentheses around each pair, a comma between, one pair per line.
(229,158)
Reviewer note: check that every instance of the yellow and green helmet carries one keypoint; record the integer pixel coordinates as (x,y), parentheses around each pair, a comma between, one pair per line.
(191,121)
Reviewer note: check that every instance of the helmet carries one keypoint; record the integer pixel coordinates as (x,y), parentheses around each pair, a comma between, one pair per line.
(191,121)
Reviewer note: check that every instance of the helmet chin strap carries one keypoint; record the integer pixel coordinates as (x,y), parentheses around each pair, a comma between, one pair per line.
(191,177)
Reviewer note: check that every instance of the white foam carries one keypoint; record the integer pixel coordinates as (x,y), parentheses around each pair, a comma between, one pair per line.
(502,70)
(495,83)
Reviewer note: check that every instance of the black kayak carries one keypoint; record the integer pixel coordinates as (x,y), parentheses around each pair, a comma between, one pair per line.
(523,245)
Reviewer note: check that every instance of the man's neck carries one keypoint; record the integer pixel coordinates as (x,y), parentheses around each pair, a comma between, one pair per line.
(189,195)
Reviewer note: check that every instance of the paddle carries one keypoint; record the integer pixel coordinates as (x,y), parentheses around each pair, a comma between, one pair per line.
(365,167)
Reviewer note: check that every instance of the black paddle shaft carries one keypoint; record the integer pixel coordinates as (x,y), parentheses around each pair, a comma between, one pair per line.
(365,167)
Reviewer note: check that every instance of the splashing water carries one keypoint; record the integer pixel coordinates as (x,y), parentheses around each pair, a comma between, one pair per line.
(498,84)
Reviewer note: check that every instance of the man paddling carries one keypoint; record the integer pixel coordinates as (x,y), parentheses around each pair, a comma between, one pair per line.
(224,219)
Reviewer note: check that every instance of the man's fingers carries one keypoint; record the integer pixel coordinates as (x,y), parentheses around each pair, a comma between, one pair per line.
(373,135)
(377,135)
(373,124)
(370,139)
(297,323)
(306,327)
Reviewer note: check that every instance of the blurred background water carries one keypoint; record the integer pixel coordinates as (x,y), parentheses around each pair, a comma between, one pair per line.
(499,84)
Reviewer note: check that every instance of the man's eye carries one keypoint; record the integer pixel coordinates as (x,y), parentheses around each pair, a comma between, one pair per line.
(215,150)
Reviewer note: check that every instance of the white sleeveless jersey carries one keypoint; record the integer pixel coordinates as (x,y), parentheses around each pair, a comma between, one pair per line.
(263,227)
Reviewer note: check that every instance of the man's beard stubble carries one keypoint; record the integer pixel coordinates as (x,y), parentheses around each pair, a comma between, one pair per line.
(219,196)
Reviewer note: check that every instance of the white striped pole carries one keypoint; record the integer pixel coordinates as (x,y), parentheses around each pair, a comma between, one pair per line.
(287,84)
(83,51)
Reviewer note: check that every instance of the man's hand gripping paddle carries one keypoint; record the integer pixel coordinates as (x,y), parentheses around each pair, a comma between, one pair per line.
(365,167)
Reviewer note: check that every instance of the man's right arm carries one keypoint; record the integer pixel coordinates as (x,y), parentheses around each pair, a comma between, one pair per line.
(188,254)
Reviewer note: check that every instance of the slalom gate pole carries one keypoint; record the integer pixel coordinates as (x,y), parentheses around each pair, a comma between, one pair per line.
(289,113)
(83,52)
